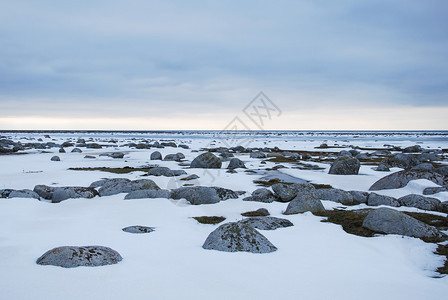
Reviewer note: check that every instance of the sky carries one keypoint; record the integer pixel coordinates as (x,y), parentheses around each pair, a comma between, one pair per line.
(154,65)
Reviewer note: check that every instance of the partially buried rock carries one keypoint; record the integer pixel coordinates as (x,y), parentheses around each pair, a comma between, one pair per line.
(267,223)
(10,193)
(197,195)
(287,192)
(390,221)
(435,190)
(375,199)
(306,200)
(148,194)
(261,212)
(61,150)
(401,160)
(88,256)
(55,158)
(174,157)
(164,171)
(257,155)
(422,202)
(238,237)
(261,195)
(345,166)
(236,163)
(206,160)
(382,168)
(138,229)
(401,179)
(117,155)
(115,186)
(58,194)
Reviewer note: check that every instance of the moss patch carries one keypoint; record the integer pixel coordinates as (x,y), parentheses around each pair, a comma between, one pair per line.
(434,220)
(443,250)
(123,170)
(351,221)
(255,213)
(209,220)
(270,182)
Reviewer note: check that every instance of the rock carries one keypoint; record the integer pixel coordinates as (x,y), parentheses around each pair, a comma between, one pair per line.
(362,156)
(261,195)
(71,256)
(115,186)
(345,166)
(381,153)
(89,156)
(427,157)
(336,195)
(76,150)
(174,157)
(206,161)
(164,171)
(306,200)
(190,177)
(390,221)
(261,212)
(67,144)
(61,150)
(10,193)
(148,194)
(257,155)
(117,155)
(169,144)
(400,179)
(354,152)
(286,192)
(344,153)
(238,149)
(184,146)
(401,160)
(422,202)
(236,163)
(266,223)
(359,197)
(93,146)
(375,199)
(238,237)
(435,190)
(197,195)
(156,155)
(382,168)
(58,194)
(442,170)
(138,229)
(413,149)
(55,158)
(424,167)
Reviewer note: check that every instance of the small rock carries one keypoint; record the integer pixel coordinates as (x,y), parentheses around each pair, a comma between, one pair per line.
(236,163)
(55,158)
(148,194)
(138,229)
(435,190)
(266,223)
(336,195)
(164,171)
(156,155)
(261,212)
(257,155)
(422,202)
(261,195)
(76,150)
(61,150)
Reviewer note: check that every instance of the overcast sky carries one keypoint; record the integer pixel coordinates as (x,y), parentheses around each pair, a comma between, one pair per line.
(141,64)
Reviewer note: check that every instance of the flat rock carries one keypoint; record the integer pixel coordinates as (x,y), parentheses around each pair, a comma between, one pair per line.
(400,160)
(174,157)
(238,237)
(390,221)
(257,155)
(164,171)
(71,256)
(138,229)
(115,186)
(422,202)
(266,223)
(401,179)
(148,194)
(58,194)
(197,195)
(375,199)
(10,193)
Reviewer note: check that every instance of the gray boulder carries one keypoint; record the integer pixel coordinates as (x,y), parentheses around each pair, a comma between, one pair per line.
(362,156)
(115,186)
(261,195)
(401,160)
(61,150)
(336,195)
(435,190)
(306,200)
(138,229)
(236,163)
(55,158)
(156,155)
(10,193)
(88,256)
(257,155)
(116,155)
(238,237)
(390,221)
(424,167)
(197,195)
(286,192)
(359,197)
(267,223)
(413,149)
(344,153)
(206,160)
(164,171)
(382,168)
(174,157)
(58,194)
(442,170)
(422,202)
(148,194)
(76,150)
(401,179)
(345,166)
(375,199)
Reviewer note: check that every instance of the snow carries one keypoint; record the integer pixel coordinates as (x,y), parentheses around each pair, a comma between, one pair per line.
(314,260)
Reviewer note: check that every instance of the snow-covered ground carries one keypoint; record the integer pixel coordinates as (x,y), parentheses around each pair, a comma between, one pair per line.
(314,260)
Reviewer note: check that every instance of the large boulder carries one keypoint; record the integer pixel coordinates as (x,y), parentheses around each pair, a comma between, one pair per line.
(336,195)
(115,186)
(156,155)
(88,256)
(10,193)
(422,202)
(345,166)
(261,195)
(305,200)
(401,179)
(164,171)
(58,194)
(287,192)
(197,195)
(206,160)
(235,163)
(413,149)
(390,221)
(238,237)
(148,194)
(375,199)
(266,223)
(400,160)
